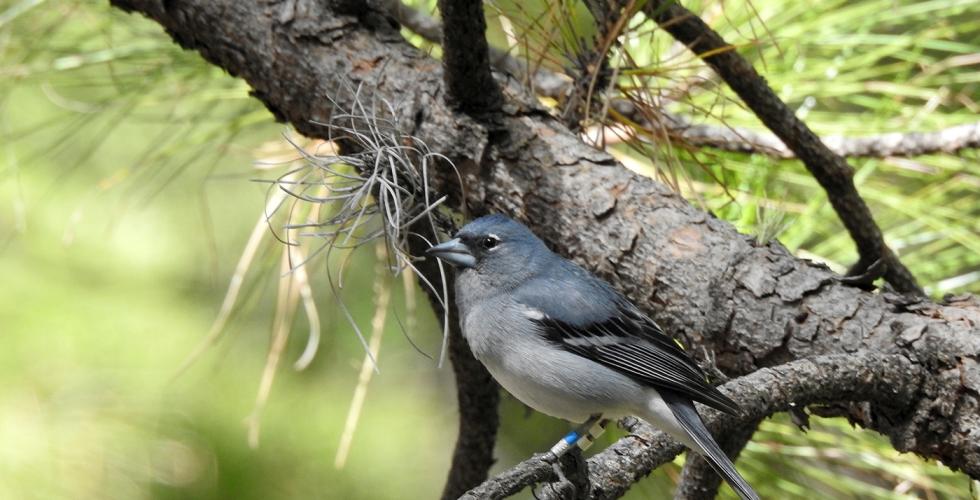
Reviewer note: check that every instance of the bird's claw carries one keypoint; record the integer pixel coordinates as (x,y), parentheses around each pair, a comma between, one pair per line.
(556,466)
(547,457)
(639,438)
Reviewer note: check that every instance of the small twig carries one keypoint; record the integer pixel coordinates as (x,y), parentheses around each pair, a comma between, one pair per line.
(866,279)
(287,300)
(382,294)
(950,140)
(419,22)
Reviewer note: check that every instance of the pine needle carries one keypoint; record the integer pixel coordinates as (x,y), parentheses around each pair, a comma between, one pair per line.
(259,233)
(286,303)
(382,294)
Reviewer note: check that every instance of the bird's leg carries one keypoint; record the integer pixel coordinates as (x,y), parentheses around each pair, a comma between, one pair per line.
(582,436)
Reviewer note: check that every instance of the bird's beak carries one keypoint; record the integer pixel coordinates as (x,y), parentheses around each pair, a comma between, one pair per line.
(454,252)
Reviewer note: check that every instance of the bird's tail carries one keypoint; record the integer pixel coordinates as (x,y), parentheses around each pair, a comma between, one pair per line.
(689,420)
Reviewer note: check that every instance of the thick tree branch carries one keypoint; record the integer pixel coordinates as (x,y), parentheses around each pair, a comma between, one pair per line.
(466,59)
(828,168)
(752,305)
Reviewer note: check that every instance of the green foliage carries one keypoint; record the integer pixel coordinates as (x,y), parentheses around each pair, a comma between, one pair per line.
(125,202)
(848,68)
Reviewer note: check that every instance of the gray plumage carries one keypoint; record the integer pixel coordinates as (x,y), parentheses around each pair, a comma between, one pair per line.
(568,345)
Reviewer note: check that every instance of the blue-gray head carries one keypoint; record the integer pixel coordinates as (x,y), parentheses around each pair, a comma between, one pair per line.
(494,245)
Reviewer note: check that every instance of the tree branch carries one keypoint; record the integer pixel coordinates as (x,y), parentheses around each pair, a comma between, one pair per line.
(471,87)
(889,380)
(543,81)
(417,21)
(828,168)
(950,140)
(752,305)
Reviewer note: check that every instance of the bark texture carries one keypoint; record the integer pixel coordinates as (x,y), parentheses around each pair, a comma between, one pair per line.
(910,366)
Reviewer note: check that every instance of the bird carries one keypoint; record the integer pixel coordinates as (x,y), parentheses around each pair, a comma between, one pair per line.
(567,344)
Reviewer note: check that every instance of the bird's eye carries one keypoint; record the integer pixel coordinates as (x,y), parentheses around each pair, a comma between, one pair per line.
(489,242)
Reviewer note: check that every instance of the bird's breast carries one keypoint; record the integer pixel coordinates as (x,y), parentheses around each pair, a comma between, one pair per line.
(504,337)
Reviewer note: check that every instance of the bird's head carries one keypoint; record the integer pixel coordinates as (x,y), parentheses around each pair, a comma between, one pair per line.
(492,245)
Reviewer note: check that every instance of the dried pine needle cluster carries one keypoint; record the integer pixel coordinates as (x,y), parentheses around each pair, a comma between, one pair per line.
(366,186)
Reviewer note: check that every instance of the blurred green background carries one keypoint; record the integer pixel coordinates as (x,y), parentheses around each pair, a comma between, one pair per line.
(126,201)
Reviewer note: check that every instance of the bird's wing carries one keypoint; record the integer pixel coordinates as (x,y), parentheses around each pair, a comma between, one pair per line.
(631,343)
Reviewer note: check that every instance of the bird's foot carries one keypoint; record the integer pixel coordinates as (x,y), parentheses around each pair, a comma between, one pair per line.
(556,466)
(639,438)
(631,425)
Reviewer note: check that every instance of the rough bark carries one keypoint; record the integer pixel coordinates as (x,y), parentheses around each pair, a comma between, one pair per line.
(753,305)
